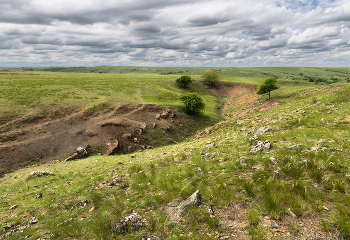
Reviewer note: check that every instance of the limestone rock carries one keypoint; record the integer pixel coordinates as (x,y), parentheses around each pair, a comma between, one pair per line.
(39,173)
(294,147)
(176,210)
(133,221)
(266,145)
(81,153)
(113,148)
(264,130)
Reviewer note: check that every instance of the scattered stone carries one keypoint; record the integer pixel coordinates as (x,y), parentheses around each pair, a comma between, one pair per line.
(133,221)
(154,125)
(294,147)
(211,145)
(254,138)
(202,153)
(264,130)
(325,208)
(199,170)
(13,207)
(211,155)
(176,210)
(81,153)
(127,136)
(113,148)
(81,204)
(276,174)
(291,213)
(167,114)
(136,140)
(266,145)
(40,195)
(274,225)
(39,174)
(34,220)
(158,116)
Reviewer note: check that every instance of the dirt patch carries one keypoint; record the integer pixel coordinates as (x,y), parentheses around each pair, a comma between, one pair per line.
(242,100)
(55,139)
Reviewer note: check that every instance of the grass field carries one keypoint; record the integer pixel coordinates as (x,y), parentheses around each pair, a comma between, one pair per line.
(304,190)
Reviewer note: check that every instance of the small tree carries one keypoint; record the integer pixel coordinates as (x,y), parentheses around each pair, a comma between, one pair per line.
(211,78)
(193,102)
(269,84)
(184,80)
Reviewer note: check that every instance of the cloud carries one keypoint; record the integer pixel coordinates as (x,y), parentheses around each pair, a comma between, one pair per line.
(175,32)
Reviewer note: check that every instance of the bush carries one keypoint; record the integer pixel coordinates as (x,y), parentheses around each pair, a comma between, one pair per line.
(184,80)
(193,102)
(211,78)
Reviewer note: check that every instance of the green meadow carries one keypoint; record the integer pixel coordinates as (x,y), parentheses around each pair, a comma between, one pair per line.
(298,189)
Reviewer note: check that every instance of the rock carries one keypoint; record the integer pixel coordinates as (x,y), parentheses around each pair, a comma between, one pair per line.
(254,138)
(81,153)
(211,155)
(202,153)
(157,116)
(291,213)
(264,130)
(133,221)
(175,211)
(274,225)
(40,195)
(34,220)
(143,127)
(199,170)
(39,173)
(294,147)
(135,140)
(325,208)
(167,114)
(13,207)
(266,145)
(154,125)
(113,148)
(211,145)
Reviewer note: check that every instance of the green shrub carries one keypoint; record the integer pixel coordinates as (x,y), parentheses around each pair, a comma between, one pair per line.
(269,84)
(184,81)
(193,102)
(211,78)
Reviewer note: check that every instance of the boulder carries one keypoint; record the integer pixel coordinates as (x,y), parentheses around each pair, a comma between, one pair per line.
(167,114)
(81,153)
(39,173)
(133,221)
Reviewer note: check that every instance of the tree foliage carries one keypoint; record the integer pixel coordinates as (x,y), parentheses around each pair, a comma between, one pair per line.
(193,102)
(211,78)
(269,84)
(184,80)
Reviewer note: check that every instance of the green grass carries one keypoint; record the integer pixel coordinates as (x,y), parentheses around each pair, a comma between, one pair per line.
(309,178)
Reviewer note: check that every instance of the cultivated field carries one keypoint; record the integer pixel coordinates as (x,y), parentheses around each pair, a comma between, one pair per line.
(296,189)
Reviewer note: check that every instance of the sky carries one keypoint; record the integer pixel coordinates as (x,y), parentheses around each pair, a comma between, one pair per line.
(187,33)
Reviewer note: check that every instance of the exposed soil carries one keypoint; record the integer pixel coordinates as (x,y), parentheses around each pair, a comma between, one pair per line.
(50,140)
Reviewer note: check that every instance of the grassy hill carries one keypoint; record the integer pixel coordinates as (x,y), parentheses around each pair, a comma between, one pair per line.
(297,189)
(324,75)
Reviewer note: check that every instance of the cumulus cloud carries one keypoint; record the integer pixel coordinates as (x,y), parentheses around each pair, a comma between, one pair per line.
(175,32)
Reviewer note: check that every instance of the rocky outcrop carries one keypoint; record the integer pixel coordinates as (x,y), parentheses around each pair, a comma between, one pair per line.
(175,210)
(113,148)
